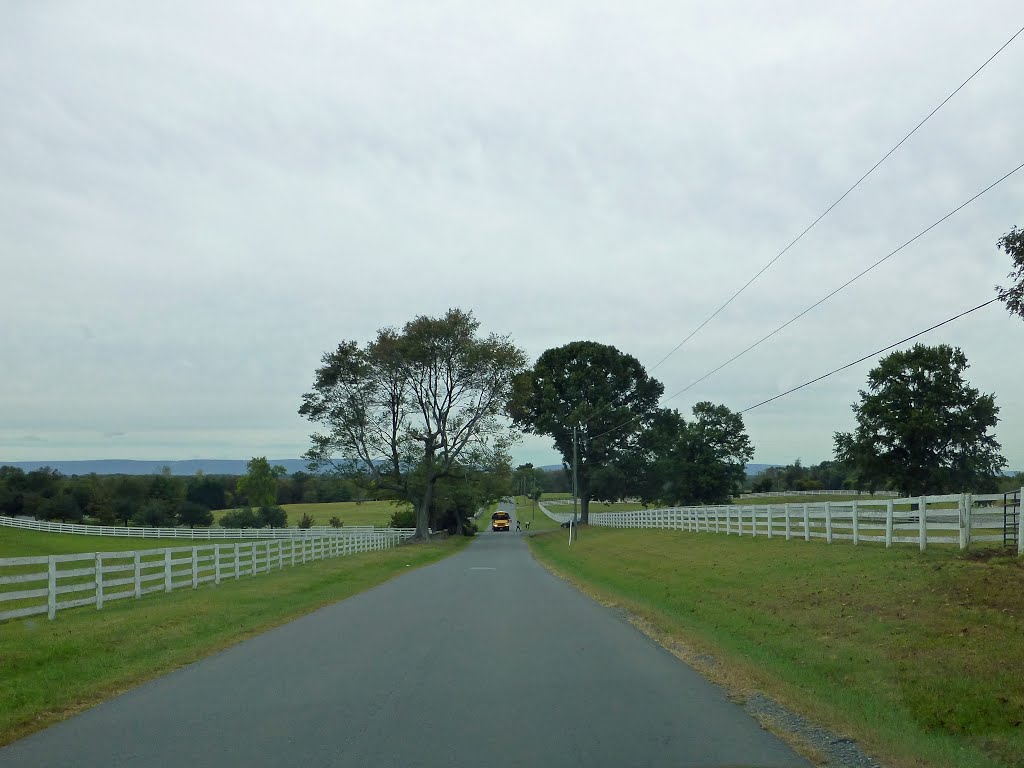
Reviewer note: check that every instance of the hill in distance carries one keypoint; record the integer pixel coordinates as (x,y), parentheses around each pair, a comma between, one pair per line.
(133,467)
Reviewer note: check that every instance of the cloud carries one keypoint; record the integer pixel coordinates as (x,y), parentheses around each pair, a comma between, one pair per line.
(196,214)
(112,435)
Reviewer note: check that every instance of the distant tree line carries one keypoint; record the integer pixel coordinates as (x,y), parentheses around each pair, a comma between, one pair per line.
(164,499)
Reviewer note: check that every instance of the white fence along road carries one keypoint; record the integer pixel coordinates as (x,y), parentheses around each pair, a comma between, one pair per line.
(95,578)
(959,519)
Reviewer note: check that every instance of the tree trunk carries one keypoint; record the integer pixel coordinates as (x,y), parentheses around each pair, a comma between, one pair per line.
(585,509)
(423,514)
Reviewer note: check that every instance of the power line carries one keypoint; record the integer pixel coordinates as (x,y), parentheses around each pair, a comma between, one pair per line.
(866,357)
(825,298)
(824,213)
(849,282)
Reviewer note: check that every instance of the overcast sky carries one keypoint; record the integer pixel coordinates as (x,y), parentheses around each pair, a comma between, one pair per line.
(198,199)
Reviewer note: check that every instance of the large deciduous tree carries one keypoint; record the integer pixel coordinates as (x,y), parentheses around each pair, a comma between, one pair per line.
(1013,295)
(921,427)
(605,393)
(409,406)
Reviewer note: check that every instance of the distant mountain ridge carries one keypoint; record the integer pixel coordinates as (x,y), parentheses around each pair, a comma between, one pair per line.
(137,467)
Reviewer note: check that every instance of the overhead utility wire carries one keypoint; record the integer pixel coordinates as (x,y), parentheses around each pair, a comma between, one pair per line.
(834,204)
(866,357)
(849,282)
(827,296)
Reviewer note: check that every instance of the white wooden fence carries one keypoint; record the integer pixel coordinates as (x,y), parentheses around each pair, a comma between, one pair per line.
(183,533)
(960,519)
(96,578)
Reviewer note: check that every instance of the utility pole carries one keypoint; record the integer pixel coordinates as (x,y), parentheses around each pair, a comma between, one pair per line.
(575,481)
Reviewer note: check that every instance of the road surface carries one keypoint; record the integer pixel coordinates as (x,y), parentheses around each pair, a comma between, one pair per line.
(483,659)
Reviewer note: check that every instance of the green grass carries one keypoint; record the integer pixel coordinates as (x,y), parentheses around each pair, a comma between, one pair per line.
(16,542)
(350,512)
(525,510)
(760,500)
(52,670)
(917,655)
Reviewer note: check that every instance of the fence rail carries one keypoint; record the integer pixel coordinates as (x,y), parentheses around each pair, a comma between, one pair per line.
(960,519)
(184,533)
(49,583)
(828,492)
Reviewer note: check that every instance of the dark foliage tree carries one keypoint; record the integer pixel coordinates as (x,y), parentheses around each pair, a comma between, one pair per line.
(193,514)
(156,513)
(606,394)
(1013,295)
(273,516)
(244,517)
(921,427)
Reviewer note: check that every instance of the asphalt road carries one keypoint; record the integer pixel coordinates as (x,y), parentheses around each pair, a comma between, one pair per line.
(483,659)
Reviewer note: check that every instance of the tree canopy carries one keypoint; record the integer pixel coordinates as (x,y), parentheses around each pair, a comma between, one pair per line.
(1013,295)
(921,427)
(606,394)
(407,407)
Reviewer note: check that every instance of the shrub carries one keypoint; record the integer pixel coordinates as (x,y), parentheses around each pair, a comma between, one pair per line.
(241,518)
(336,522)
(306,521)
(273,517)
(469,527)
(193,514)
(403,517)
(155,513)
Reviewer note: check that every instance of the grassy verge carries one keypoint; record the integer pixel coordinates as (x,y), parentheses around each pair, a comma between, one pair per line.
(527,511)
(52,670)
(917,655)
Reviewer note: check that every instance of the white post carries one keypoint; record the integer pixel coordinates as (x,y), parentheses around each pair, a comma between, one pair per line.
(280,555)
(238,562)
(167,570)
(888,523)
(1020,525)
(253,549)
(922,522)
(293,551)
(962,509)
(753,520)
(216,563)
(728,522)
(195,567)
(969,515)
(828,522)
(99,581)
(789,529)
(856,525)
(718,520)
(771,512)
(138,575)
(51,587)
(807,524)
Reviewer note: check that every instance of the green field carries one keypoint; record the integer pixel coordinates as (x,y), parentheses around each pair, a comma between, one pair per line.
(376,513)
(15,542)
(807,499)
(52,670)
(916,655)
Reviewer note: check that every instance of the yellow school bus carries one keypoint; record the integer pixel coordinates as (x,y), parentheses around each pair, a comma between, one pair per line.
(501,521)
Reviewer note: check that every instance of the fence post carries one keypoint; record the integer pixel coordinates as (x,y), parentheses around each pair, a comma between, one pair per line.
(280,555)
(293,551)
(771,512)
(51,587)
(1020,525)
(888,522)
(238,562)
(922,522)
(216,563)
(856,524)
(828,522)
(138,575)
(195,567)
(753,520)
(969,516)
(253,547)
(167,569)
(789,529)
(98,578)
(962,509)
(807,524)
